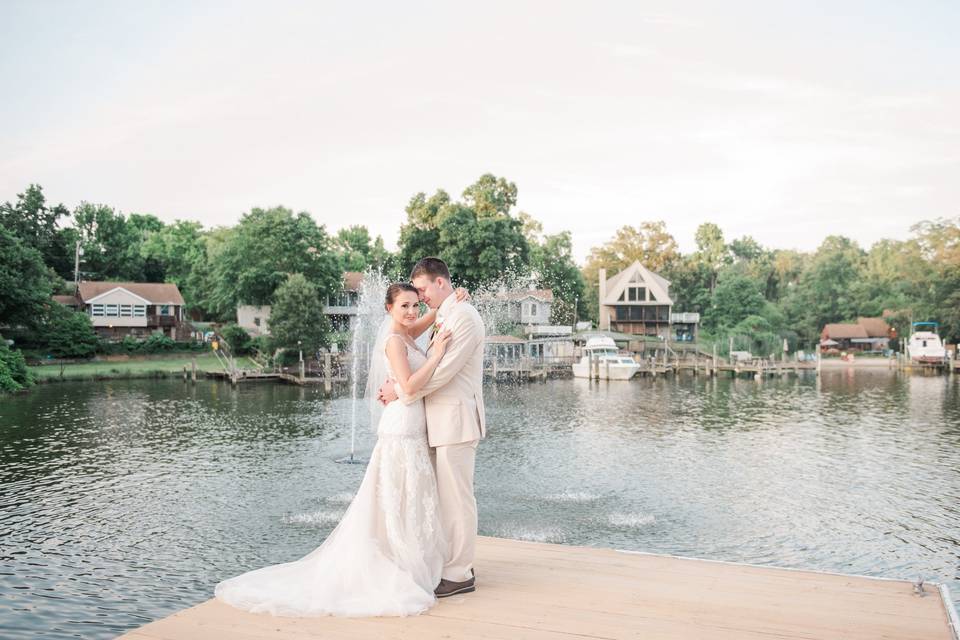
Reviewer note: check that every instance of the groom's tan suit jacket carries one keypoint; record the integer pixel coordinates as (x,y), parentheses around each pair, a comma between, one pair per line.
(453,397)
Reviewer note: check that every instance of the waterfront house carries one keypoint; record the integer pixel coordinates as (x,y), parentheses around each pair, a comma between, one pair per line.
(503,351)
(867,334)
(635,301)
(549,343)
(254,319)
(527,306)
(137,309)
(341,308)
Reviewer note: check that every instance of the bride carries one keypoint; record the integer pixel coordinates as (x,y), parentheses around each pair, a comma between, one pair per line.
(386,555)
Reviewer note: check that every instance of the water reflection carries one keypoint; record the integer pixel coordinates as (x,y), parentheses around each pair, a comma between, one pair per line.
(124,501)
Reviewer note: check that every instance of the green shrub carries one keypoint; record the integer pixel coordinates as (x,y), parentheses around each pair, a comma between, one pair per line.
(157,343)
(238,339)
(14,374)
(65,333)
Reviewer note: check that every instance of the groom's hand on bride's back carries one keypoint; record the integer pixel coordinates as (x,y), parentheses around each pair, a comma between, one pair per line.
(387,393)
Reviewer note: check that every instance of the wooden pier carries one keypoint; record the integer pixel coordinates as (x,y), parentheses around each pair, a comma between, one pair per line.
(534,591)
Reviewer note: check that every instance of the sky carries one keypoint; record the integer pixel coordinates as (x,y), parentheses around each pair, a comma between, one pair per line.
(786,121)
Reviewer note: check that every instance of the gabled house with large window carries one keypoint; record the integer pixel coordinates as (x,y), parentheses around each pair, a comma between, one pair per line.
(138,309)
(635,301)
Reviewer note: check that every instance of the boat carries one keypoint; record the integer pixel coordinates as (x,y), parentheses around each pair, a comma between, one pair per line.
(925,346)
(612,364)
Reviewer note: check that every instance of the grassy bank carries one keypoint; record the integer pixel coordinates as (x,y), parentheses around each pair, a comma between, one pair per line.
(147,367)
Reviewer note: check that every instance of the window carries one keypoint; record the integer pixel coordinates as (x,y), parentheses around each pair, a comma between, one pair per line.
(621,298)
(126,310)
(97,310)
(256,321)
(533,308)
(112,310)
(139,311)
(164,310)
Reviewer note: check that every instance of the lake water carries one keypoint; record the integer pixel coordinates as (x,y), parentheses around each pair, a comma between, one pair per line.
(124,501)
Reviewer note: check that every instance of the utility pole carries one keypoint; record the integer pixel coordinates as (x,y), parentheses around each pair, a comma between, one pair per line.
(76,266)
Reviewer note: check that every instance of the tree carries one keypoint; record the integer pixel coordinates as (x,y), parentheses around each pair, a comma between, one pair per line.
(690,284)
(238,339)
(490,196)
(176,251)
(111,244)
(712,252)
(297,315)
(26,283)
(358,252)
(14,374)
(939,241)
(552,261)
(35,223)
(736,298)
(480,250)
(259,254)
(65,333)
(829,289)
(478,237)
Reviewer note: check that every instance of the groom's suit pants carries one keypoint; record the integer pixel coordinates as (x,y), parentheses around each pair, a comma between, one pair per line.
(454,464)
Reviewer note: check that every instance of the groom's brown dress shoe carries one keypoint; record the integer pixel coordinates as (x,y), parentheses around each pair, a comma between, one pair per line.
(450,588)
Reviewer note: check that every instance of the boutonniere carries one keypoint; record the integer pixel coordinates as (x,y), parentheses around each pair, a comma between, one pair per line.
(438,324)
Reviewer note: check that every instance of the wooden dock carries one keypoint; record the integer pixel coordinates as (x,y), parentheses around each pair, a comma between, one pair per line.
(533,591)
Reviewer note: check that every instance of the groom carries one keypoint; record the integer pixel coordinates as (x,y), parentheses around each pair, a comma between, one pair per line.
(453,399)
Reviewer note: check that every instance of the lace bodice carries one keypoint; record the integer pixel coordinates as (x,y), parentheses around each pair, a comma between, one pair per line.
(400,419)
(415,356)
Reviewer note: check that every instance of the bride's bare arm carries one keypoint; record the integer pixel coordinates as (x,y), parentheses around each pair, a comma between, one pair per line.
(397,355)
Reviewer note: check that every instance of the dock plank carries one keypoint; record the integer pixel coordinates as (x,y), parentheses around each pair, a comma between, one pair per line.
(537,591)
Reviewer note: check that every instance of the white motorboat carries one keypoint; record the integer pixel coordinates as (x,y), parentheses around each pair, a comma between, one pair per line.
(925,346)
(611,364)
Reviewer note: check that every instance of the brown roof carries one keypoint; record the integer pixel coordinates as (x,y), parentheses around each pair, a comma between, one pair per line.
(70,301)
(153,292)
(544,295)
(875,327)
(352,280)
(842,331)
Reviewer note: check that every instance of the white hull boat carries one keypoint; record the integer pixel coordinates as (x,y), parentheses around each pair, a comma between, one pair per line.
(610,364)
(925,346)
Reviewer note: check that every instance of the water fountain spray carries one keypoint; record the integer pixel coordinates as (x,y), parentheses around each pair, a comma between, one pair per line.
(373,289)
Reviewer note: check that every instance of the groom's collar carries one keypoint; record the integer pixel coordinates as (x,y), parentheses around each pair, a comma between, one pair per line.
(446,304)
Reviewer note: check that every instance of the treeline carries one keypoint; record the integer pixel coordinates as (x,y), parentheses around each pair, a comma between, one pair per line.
(743,288)
(278,257)
(271,256)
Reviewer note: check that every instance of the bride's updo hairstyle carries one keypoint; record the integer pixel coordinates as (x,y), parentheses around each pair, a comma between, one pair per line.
(396,289)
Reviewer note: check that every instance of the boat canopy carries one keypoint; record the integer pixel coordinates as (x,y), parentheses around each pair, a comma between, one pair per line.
(600,343)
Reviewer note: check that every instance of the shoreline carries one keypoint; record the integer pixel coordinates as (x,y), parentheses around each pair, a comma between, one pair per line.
(859,363)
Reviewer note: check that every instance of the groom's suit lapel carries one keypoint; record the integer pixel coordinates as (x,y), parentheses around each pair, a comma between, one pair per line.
(443,311)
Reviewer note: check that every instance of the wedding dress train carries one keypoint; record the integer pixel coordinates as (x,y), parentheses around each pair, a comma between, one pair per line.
(385,556)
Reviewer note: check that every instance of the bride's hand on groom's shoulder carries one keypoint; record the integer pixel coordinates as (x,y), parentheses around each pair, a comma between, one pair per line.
(462,294)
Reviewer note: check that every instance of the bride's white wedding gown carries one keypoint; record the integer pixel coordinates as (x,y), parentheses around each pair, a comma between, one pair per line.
(385,556)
